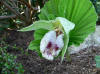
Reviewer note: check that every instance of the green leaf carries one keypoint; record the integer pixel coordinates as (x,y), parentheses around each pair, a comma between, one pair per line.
(66,41)
(38,34)
(97,59)
(34,45)
(42,24)
(80,12)
(66,24)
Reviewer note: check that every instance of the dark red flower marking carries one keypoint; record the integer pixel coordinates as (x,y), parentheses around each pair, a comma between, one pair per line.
(56,47)
(49,45)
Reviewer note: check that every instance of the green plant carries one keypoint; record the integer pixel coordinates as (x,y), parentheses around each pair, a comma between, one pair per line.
(96,3)
(71,18)
(8,65)
(97,59)
(98,9)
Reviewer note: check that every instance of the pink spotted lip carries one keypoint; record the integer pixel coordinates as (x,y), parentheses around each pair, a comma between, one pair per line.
(51,45)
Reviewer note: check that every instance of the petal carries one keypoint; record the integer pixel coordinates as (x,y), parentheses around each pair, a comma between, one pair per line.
(67,25)
(55,53)
(48,37)
(59,45)
(59,41)
(48,57)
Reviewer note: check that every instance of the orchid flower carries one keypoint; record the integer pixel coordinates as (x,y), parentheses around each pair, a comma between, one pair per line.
(56,40)
(52,42)
(51,45)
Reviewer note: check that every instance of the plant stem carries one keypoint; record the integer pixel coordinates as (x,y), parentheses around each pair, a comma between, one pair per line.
(65,48)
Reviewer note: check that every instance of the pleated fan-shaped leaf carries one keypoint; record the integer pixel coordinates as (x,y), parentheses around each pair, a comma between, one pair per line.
(80,12)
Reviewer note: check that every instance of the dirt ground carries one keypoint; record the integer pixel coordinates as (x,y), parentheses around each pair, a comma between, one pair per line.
(82,62)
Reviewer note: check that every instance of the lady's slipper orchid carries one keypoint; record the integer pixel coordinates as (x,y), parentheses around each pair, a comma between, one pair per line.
(51,45)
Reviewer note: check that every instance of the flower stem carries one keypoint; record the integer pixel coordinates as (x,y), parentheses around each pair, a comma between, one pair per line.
(65,48)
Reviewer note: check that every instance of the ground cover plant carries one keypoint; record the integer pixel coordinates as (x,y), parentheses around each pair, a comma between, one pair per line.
(8,64)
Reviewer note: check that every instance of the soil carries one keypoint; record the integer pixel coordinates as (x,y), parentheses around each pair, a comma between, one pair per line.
(82,62)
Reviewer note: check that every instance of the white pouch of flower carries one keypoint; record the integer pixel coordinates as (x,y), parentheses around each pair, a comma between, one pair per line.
(51,45)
